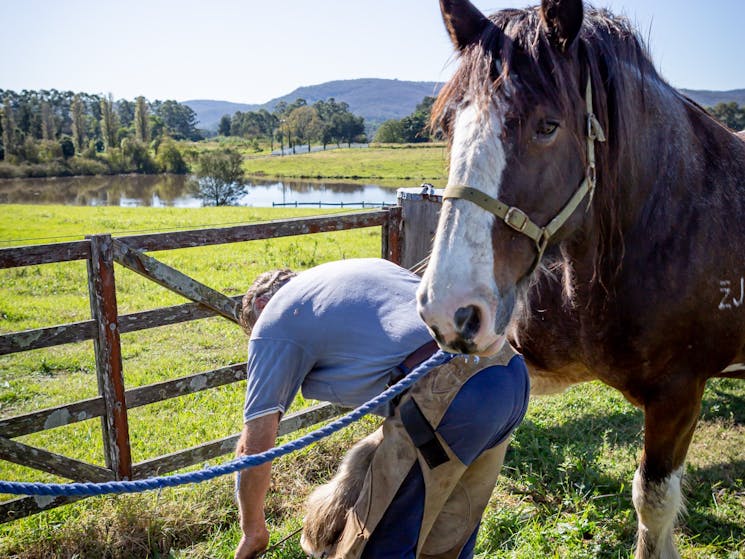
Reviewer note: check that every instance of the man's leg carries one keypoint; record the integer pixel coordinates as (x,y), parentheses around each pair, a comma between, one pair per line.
(397,534)
(481,417)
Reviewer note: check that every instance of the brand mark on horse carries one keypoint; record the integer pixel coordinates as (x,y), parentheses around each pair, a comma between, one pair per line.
(729,300)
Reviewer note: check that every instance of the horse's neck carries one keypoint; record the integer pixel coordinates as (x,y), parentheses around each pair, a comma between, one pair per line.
(674,168)
(676,156)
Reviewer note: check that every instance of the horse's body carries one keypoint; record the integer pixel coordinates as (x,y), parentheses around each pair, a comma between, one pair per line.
(643,284)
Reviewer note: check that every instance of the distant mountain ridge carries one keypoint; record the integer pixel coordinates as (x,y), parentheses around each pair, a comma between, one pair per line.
(378,100)
(707,98)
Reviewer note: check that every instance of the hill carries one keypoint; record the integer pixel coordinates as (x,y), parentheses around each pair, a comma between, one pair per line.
(374,99)
(378,100)
(707,98)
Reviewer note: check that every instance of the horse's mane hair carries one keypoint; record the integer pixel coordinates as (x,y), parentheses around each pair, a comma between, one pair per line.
(515,58)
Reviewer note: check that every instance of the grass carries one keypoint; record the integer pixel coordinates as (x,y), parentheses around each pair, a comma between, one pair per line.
(564,493)
(380,163)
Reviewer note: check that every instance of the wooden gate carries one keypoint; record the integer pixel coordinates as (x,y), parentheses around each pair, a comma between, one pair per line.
(106,325)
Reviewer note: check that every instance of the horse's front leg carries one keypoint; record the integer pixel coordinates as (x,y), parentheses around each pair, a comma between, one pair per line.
(670,419)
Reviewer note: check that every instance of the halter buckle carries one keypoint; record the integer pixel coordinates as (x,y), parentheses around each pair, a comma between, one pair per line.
(594,129)
(516,218)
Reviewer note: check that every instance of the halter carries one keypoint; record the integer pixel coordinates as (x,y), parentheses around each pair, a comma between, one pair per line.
(518,219)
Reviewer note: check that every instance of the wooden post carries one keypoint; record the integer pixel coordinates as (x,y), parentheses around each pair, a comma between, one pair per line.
(419,214)
(391,236)
(102,291)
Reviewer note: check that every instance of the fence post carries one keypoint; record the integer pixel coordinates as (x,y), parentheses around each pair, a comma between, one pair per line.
(391,240)
(102,291)
(420,212)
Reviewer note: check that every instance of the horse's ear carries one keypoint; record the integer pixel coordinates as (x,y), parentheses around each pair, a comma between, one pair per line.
(463,20)
(563,20)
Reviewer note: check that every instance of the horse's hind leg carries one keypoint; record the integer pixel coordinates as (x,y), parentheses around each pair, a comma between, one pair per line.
(669,425)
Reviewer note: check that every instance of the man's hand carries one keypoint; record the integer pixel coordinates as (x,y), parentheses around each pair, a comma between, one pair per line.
(251,545)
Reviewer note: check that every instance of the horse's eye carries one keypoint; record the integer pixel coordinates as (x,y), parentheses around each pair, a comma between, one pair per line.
(546,129)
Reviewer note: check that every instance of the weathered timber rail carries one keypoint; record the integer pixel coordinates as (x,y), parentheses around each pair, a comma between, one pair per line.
(106,325)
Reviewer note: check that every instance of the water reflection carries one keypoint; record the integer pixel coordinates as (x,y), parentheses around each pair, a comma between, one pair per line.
(176,191)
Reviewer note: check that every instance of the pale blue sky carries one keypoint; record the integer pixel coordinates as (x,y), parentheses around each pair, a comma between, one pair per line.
(254,50)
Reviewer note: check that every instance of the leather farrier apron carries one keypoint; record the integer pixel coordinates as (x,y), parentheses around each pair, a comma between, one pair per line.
(455,494)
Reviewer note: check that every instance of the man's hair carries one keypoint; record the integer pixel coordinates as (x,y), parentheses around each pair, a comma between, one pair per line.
(265,285)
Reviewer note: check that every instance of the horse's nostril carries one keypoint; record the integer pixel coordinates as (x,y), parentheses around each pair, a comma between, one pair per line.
(467,322)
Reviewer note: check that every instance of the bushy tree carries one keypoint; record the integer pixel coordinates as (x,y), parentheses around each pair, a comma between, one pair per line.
(731,114)
(305,124)
(67,147)
(220,178)
(170,159)
(179,121)
(137,156)
(413,128)
(223,129)
(126,112)
(390,132)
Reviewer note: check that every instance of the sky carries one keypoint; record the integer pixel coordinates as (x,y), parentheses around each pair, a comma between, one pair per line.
(251,51)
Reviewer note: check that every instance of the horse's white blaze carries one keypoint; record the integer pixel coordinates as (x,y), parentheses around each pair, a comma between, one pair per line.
(657,507)
(461,269)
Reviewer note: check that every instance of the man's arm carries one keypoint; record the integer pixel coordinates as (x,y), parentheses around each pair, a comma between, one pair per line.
(258,435)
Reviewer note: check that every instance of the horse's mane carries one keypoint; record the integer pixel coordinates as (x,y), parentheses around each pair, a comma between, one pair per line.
(515,58)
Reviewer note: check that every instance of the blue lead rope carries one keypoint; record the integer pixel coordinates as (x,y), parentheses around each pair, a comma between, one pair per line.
(137,486)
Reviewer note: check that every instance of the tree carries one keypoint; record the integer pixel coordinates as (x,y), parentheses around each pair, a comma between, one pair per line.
(350,128)
(170,159)
(109,124)
(413,128)
(390,132)
(138,157)
(305,124)
(141,120)
(9,128)
(67,147)
(730,114)
(47,122)
(220,180)
(223,129)
(77,112)
(179,121)
(126,111)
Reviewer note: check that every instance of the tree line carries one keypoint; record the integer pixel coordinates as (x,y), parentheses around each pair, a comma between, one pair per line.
(411,129)
(297,123)
(63,132)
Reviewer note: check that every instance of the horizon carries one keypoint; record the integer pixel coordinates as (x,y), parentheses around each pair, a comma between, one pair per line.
(252,53)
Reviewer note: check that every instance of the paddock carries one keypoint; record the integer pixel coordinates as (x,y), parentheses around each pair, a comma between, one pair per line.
(541,468)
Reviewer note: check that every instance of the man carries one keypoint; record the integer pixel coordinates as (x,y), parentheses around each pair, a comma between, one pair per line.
(343,332)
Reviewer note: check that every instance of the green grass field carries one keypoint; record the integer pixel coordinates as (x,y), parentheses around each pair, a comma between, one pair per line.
(382,164)
(565,491)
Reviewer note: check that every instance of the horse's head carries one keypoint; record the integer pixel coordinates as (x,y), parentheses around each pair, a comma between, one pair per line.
(516,116)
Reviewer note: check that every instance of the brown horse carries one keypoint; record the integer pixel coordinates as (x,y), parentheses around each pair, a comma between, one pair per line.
(594,216)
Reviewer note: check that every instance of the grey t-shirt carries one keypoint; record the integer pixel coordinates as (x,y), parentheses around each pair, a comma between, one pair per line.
(337,331)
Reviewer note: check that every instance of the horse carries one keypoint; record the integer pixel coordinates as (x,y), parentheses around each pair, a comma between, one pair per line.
(592,218)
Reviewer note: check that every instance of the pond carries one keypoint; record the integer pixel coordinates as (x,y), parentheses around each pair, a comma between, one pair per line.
(175,191)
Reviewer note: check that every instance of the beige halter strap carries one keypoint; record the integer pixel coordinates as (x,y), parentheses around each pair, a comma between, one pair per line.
(518,219)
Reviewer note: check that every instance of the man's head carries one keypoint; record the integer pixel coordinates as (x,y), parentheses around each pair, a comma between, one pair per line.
(258,295)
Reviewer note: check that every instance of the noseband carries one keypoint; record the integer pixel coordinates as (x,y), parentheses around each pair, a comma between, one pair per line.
(518,219)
